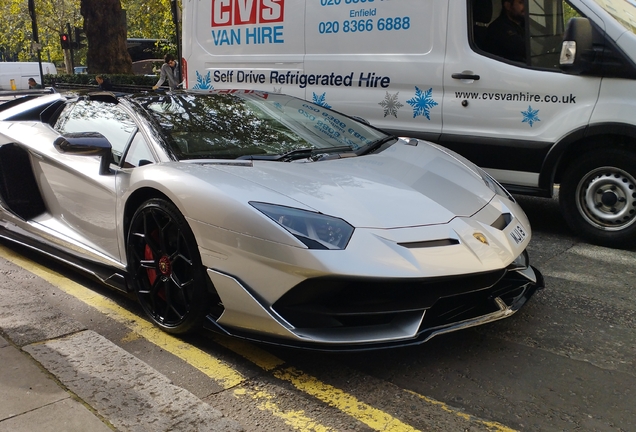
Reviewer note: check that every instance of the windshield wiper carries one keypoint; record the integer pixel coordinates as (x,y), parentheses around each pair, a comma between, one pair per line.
(297,154)
(376,145)
(294,154)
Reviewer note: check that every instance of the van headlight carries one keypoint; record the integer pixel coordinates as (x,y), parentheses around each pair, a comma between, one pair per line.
(315,230)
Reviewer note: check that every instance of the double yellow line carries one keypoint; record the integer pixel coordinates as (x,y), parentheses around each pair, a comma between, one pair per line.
(229,378)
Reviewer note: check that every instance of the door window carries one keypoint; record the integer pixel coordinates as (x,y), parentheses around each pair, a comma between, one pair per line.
(527,32)
(106,118)
(547,20)
(138,154)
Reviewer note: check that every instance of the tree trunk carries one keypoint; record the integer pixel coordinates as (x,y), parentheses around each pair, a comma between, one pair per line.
(105,29)
(67,61)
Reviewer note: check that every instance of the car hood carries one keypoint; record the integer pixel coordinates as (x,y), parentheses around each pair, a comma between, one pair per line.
(405,185)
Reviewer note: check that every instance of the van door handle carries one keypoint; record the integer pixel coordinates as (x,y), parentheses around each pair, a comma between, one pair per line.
(465,76)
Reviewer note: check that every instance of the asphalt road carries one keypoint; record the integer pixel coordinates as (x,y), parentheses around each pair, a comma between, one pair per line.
(565,362)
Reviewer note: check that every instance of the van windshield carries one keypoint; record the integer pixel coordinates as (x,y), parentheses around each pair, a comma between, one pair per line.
(624,11)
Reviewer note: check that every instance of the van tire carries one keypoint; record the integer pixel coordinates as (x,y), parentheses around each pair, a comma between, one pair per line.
(598,197)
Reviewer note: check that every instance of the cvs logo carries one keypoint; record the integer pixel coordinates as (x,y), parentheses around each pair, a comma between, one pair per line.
(241,12)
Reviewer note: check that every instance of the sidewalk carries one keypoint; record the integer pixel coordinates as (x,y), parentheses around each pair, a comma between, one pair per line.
(55,375)
(31,400)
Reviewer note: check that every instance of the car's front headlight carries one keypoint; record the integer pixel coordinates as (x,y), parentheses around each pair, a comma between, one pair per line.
(494,184)
(315,230)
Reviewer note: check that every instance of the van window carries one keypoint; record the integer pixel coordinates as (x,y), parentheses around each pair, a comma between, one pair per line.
(482,16)
(540,35)
(547,22)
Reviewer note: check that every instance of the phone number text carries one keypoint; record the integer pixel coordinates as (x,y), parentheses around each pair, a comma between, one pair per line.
(364,25)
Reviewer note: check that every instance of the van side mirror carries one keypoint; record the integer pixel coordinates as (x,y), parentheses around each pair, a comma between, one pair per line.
(87,144)
(577,53)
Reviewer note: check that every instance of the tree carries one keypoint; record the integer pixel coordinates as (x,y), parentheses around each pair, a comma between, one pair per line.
(106,41)
(149,19)
(16,31)
(105,29)
(52,16)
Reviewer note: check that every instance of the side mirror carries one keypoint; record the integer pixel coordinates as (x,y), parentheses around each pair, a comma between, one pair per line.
(87,144)
(577,52)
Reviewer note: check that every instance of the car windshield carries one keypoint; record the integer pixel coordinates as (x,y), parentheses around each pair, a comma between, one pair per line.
(248,124)
(624,11)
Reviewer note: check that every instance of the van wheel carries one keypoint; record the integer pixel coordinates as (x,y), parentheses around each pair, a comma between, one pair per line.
(598,197)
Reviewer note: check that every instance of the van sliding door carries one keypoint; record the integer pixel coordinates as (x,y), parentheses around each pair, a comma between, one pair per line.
(379,60)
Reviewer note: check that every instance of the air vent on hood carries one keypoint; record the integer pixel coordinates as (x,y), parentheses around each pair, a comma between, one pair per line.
(502,221)
(430,243)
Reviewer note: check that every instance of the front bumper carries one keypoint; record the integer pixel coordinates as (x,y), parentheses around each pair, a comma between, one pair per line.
(342,314)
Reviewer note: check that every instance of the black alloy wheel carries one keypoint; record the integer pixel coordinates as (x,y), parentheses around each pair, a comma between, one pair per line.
(164,261)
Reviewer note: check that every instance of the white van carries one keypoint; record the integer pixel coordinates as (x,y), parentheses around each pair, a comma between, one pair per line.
(20,72)
(565,115)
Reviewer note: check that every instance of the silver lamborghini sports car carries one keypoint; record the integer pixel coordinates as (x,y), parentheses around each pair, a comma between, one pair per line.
(263,216)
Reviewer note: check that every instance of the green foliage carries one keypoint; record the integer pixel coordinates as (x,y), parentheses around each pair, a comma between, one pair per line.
(146,19)
(149,19)
(15,31)
(569,12)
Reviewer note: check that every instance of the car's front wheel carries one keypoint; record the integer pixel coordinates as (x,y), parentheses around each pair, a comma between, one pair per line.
(598,197)
(165,265)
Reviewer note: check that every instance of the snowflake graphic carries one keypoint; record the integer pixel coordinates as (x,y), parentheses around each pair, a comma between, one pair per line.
(320,100)
(204,82)
(279,106)
(422,103)
(278,90)
(391,104)
(530,116)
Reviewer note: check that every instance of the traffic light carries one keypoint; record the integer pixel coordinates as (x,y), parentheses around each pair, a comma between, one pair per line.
(79,37)
(65,41)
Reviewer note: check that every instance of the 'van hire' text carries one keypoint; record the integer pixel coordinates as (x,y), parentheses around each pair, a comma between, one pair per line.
(251,36)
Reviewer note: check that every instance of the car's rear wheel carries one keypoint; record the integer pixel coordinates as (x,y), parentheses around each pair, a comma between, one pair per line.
(598,197)
(165,265)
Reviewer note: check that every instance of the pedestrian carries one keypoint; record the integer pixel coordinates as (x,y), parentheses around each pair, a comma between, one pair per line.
(33,84)
(103,82)
(170,72)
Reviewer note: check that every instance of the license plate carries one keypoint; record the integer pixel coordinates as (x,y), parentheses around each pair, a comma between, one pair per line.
(518,234)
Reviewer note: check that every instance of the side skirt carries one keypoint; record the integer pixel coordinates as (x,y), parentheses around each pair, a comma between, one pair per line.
(106,275)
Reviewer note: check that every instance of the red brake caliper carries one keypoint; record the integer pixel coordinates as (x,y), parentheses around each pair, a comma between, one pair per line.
(152,273)
(165,268)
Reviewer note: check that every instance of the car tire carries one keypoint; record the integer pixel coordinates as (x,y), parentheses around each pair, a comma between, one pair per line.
(598,197)
(165,267)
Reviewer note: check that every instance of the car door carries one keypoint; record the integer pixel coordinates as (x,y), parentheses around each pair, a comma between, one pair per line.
(505,115)
(82,202)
